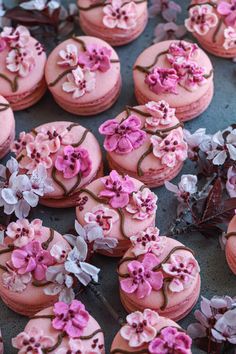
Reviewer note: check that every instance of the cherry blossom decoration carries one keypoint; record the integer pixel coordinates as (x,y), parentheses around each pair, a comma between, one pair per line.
(19,193)
(162,80)
(120,15)
(22,231)
(79,82)
(201,19)
(230,38)
(103,217)
(33,340)
(143,204)
(160,114)
(95,58)
(228,10)
(148,241)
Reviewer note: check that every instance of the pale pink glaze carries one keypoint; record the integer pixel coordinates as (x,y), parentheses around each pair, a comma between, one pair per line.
(179,303)
(91,102)
(7,128)
(230,248)
(32,299)
(154,173)
(184,99)
(25,84)
(131,226)
(92,24)
(206,41)
(45,325)
(91,145)
(121,343)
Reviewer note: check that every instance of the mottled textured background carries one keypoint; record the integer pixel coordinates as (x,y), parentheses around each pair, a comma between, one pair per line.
(216,276)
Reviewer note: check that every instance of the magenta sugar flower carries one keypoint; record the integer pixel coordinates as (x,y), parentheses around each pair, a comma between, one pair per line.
(117,189)
(73,161)
(95,58)
(71,319)
(143,204)
(162,80)
(123,137)
(142,279)
(228,9)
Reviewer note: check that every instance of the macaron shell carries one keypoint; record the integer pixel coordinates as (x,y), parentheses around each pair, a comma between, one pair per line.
(45,325)
(131,226)
(32,299)
(179,303)
(207,42)
(7,127)
(107,83)
(91,23)
(183,98)
(230,248)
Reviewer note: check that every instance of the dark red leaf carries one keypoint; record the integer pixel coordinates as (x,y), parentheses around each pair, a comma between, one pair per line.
(210,230)
(32,18)
(214,200)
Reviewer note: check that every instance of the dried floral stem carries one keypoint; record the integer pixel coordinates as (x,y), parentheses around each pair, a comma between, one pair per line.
(105,302)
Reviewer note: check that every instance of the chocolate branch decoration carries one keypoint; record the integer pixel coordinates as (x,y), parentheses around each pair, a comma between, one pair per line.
(13,83)
(4,106)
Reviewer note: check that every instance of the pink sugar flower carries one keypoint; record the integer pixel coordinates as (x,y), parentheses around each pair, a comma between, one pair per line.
(20,61)
(79,81)
(71,319)
(15,282)
(142,279)
(162,80)
(103,216)
(68,56)
(143,204)
(117,189)
(183,270)
(20,144)
(32,258)
(120,15)
(36,153)
(230,38)
(201,19)
(123,137)
(22,232)
(170,340)
(96,58)
(32,341)
(140,327)
(76,346)
(18,37)
(191,76)
(54,137)
(161,114)
(171,149)
(182,51)
(228,9)
(74,161)
(148,241)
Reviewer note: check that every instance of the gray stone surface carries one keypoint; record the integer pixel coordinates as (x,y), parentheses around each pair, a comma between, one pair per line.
(216,276)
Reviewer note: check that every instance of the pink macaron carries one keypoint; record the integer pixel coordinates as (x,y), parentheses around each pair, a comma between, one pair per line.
(121,206)
(159,273)
(213,25)
(83,75)
(178,72)
(146,142)
(117,21)
(7,127)
(29,249)
(230,247)
(22,63)
(147,332)
(61,329)
(70,154)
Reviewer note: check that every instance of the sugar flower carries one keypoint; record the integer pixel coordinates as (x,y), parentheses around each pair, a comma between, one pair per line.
(183,270)
(148,241)
(230,38)
(201,19)
(77,346)
(120,15)
(20,61)
(181,51)
(79,82)
(161,80)
(142,279)
(123,137)
(161,114)
(15,282)
(191,76)
(54,137)
(68,56)
(33,341)
(186,187)
(117,189)
(37,152)
(20,144)
(228,9)
(171,149)
(74,161)
(143,204)
(18,37)
(102,216)
(140,327)
(71,319)
(95,58)
(22,231)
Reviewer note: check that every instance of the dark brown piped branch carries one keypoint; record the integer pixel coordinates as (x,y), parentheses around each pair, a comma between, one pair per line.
(13,83)
(217,30)
(90,336)
(38,284)
(71,126)
(164,292)
(122,222)
(76,184)
(4,106)
(3,268)
(124,260)
(58,343)
(142,187)
(114,61)
(34,132)
(177,248)
(203,3)
(80,41)
(9,248)
(144,155)
(230,234)
(59,183)
(207,76)
(136,110)
(92,195)
(145,69)
(46,244)
(61,75)
(162,133)
(82,139)
(51,317)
